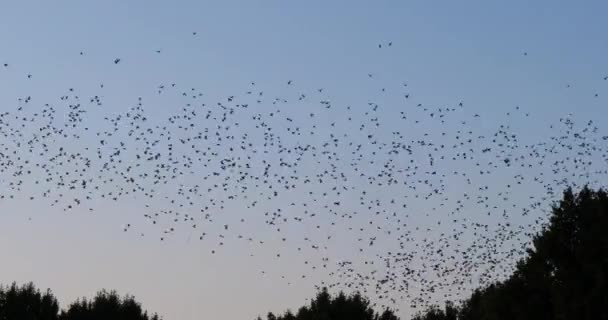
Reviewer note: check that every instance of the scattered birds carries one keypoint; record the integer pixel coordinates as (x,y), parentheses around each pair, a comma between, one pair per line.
(426,197)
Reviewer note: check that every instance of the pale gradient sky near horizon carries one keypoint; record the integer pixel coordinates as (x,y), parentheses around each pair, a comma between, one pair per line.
(447,51)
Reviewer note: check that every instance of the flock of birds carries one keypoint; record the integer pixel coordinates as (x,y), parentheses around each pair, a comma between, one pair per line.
(404,202)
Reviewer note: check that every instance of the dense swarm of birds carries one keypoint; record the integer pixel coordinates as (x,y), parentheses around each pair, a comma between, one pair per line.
(404,203)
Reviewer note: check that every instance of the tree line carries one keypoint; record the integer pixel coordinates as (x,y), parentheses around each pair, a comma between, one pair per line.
(26,302)
(564,276)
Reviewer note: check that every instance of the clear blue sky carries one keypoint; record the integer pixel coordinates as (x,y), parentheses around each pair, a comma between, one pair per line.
(447,51)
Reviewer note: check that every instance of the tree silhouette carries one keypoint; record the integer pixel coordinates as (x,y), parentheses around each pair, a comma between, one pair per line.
(564,276)
(326,307)
(106,305)
(27,303)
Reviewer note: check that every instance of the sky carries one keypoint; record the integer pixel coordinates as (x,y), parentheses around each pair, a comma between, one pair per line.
(490,55)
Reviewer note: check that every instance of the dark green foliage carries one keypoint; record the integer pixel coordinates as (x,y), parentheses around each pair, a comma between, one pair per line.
(28,303)
(106,305)
(326,307)
(565,275)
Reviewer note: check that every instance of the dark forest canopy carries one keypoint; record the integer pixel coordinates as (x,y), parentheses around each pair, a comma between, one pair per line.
(28,303)
(326,307)
(564,276)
